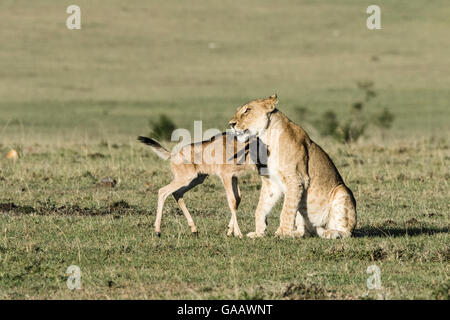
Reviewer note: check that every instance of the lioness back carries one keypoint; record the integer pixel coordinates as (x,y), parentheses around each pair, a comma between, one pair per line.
(322,171)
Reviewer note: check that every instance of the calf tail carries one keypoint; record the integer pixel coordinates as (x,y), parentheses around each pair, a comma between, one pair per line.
(162,152)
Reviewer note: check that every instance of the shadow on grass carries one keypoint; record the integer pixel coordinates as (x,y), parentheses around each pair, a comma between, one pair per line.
(117,208)
(397,232)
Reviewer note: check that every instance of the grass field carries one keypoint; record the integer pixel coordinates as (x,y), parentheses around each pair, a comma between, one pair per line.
(73,102)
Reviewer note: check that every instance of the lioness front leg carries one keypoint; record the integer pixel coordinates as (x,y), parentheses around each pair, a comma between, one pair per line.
(303,227)
(270,193)
(291,201)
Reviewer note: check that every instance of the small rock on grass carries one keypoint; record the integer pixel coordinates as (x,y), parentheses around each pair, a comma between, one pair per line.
(107,182)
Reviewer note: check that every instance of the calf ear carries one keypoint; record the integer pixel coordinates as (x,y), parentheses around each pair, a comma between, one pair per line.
(271,102)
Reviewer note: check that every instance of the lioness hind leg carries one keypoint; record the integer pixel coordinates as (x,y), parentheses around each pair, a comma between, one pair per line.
(342,215)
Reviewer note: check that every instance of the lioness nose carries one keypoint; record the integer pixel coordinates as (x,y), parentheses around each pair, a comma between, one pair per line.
(232,123)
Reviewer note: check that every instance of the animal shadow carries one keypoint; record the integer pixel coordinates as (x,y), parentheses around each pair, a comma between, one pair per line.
(372,232)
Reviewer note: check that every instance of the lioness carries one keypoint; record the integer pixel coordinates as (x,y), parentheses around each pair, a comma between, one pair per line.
(316,199)
(222,155)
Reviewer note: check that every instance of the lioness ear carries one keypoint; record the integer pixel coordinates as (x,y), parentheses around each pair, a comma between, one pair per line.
(271,102)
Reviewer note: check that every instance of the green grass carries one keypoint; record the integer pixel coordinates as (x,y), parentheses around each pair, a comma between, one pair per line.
(62,217)
(73,102)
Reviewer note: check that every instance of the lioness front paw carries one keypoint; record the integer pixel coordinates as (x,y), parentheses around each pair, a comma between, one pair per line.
(255,235)
(298,234)
(284,233)
(335,234)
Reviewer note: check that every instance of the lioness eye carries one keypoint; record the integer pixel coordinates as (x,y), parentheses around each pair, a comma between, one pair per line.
(247,110)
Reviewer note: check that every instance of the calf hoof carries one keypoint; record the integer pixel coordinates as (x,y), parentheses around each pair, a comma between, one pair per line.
(158,234)
(195,233)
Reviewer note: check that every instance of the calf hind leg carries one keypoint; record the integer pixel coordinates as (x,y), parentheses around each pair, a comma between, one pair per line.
(175,186)
(178,195)
(186,213)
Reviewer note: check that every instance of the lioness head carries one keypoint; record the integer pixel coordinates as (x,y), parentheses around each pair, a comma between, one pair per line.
(253,117)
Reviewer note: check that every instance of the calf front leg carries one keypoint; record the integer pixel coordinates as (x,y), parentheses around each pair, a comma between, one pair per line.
(230,184)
